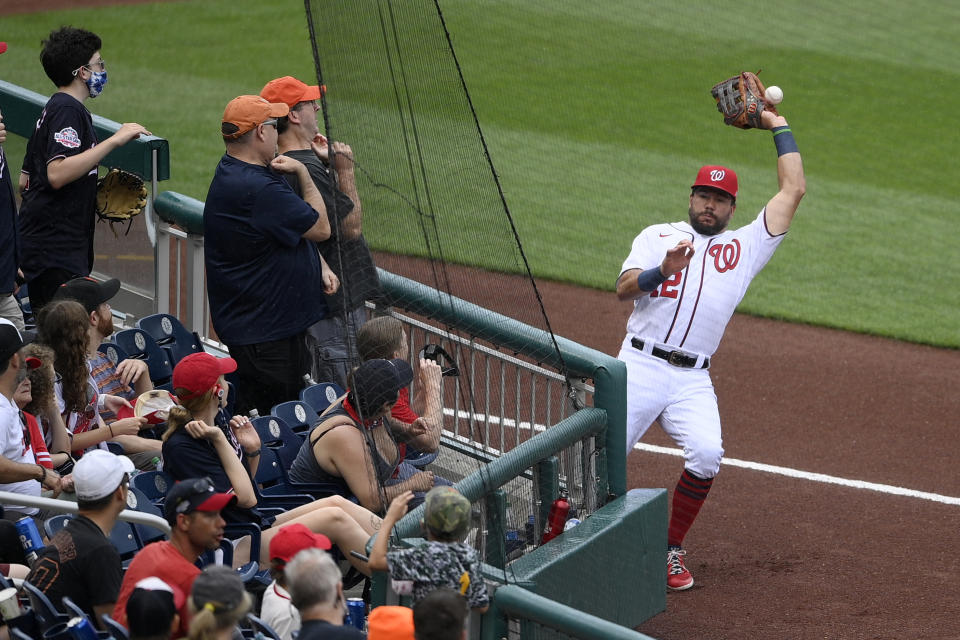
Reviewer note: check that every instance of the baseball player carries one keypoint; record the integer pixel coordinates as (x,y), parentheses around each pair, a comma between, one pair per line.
(685,280)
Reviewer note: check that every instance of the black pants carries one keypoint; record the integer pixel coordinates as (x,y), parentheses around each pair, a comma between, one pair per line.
(269,373)
(43,287)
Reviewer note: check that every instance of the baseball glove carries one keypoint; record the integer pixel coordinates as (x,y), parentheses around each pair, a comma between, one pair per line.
(121,196)
(740,100)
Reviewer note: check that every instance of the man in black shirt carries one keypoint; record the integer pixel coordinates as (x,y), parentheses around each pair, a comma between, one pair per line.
(59,177)
(80,561)
(333,339)
(9,250)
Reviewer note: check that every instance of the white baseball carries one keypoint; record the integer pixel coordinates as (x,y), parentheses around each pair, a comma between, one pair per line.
(774,94)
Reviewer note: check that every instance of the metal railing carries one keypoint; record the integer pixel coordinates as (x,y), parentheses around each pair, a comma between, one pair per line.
(68,506)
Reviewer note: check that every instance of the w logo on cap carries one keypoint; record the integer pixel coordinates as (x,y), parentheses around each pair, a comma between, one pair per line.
(717,177)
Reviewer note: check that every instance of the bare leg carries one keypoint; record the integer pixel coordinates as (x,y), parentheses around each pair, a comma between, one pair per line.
(364,517)
(334,523)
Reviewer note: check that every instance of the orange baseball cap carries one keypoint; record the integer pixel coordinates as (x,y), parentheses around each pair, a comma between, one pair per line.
(290,91)
(244,113)
(390,623)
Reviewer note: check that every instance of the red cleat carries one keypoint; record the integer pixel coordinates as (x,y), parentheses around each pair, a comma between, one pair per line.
(678,578)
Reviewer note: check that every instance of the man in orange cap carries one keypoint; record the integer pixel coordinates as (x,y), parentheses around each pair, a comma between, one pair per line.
(265,281)
(330,164)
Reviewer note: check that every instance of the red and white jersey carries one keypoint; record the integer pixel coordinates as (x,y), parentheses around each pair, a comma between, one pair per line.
(690,311)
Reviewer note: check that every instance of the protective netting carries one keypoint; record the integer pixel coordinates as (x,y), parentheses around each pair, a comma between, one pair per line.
(428,188)
(434,212)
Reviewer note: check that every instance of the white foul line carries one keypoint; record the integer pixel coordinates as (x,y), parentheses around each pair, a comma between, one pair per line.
(815,477)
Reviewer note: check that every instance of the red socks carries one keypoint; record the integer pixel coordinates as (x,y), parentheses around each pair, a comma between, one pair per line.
(688,497)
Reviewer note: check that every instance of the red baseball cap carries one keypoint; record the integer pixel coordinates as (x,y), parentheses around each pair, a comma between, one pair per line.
(717,177)
(290,91)
(294,538)
(196,374)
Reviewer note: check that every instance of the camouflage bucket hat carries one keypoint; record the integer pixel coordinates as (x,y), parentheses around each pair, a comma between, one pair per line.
(447,511)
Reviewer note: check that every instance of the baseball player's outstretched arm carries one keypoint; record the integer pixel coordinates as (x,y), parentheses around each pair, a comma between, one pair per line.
(636,283)
(793,185)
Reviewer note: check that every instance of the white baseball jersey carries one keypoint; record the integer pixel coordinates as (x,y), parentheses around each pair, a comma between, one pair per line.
(691,309)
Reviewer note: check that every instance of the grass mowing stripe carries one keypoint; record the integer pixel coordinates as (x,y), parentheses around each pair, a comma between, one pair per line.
(597,118)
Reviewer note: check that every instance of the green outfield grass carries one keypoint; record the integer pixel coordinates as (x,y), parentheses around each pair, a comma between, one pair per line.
(599,114)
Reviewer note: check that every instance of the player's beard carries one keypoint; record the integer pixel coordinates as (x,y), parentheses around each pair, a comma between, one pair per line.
(704,229)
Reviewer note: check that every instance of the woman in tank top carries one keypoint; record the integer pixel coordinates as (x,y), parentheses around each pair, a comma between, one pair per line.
(352,446)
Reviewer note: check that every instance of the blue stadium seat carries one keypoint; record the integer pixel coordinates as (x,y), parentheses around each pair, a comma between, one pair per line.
(277,435)
(55,523)
(273,480)
(45,613)
(113,352)
(170,334)
(117,630)
(224,555)
(138,344)
(138,501)
(261,627)
(72,609)
(298,415)
(321,395)
(153,484)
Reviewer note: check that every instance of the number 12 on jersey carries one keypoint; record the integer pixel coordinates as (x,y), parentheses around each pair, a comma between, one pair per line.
(669,287)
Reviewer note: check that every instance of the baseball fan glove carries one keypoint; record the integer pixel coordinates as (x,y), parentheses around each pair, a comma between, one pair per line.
(121,196)
(740,100)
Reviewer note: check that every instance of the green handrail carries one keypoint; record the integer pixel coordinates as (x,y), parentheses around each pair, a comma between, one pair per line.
(517,601)
(22,108)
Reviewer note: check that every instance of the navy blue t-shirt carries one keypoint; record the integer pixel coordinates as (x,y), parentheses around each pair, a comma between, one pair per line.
(263,277)
(9,245)
(56,225)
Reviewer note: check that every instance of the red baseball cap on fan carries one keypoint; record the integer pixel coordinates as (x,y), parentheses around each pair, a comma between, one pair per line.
(717,177)
(196,374)
(293,538)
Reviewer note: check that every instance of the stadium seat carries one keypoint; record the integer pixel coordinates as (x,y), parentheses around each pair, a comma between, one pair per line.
(170,334)
(16,634)
(125,541)
(298,415)
(153,484)
(45,613)
(321,395)
(115,448)
(113,352)
(117,630)
(262,628)
(138,501)
(55,523)
(138,344)
(224,555)
(73,610)
(273,480)
(277,435)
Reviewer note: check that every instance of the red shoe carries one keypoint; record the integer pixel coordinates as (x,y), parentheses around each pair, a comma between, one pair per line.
(678,578)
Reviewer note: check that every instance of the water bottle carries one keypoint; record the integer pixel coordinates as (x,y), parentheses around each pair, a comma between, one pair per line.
(557,519)
(308,380)
(254,414)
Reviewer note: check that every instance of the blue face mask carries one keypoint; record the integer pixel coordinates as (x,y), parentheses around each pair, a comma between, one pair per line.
(96,82)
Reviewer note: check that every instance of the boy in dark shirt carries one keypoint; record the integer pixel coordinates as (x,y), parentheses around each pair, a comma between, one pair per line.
(59,177)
